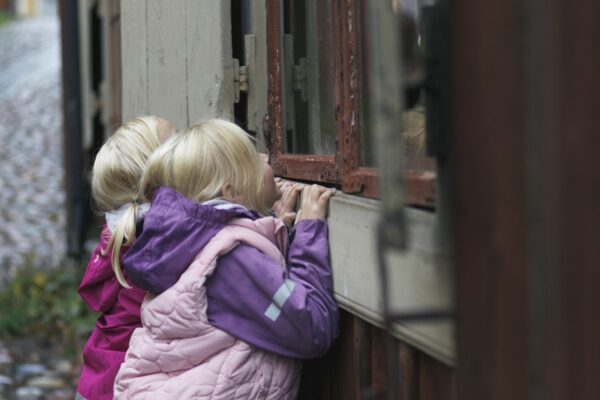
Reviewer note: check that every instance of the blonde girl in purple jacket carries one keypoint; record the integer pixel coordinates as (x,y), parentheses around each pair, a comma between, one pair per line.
(233,306)
(115,175)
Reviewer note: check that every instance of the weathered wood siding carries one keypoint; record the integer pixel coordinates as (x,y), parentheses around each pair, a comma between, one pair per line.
(176,59)
(359,364)
(134,58)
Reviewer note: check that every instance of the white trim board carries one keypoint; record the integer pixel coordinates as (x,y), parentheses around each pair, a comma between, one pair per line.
(419,278)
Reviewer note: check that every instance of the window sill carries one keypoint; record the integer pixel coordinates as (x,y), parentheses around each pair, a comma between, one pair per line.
(421,275)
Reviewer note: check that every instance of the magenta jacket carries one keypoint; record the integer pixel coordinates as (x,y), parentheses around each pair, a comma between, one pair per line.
(120,316)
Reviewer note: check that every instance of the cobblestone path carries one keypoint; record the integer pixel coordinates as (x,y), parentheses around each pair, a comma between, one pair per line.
(32,219)
(32,198)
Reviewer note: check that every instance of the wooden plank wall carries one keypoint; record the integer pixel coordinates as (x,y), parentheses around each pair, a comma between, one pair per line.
(356,368)
(167,59)
(209,52)
(134,49)
(176,59)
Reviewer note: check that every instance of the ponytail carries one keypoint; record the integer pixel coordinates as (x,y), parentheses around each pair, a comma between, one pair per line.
(123,235)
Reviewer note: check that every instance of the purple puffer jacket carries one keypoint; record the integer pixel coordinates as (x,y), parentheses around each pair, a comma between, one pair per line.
(120,316)
(289,312)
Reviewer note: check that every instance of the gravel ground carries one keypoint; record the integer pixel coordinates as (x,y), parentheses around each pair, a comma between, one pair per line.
(32,217)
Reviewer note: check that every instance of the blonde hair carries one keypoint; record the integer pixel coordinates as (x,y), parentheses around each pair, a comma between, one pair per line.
(115,178)
(199,162)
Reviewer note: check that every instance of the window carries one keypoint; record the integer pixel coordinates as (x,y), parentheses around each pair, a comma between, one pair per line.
(320,58)
(318,121)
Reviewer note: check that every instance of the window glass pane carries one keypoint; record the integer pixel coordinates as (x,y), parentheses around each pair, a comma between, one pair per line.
(307,77)
(414,131)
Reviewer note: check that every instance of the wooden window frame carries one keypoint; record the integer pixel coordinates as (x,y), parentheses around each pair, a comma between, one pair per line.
(342,168)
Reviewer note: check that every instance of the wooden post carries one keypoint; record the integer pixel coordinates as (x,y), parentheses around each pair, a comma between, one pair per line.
(526,103)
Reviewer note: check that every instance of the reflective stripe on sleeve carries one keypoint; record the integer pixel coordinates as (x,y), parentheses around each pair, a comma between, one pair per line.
(279,299)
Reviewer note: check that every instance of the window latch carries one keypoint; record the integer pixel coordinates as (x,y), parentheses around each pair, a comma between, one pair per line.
(294,82)
(300,78)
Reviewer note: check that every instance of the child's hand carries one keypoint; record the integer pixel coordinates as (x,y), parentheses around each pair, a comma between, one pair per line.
(314,202)
(284,208)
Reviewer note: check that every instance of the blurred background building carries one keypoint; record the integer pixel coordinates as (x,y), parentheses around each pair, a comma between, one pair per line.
(28,8)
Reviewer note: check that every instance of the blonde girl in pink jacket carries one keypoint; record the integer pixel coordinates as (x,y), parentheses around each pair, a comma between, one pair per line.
(233,306)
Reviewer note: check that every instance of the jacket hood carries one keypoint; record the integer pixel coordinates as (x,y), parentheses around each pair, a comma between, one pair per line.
(98,287)
(174,231)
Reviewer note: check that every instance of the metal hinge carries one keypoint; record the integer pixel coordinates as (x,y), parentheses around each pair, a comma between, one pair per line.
(244,77)
(240,79)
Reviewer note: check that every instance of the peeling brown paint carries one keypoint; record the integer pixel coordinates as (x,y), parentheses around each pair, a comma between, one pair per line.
(344,167)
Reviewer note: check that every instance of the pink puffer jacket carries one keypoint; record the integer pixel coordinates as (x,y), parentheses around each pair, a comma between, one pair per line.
(177,354)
